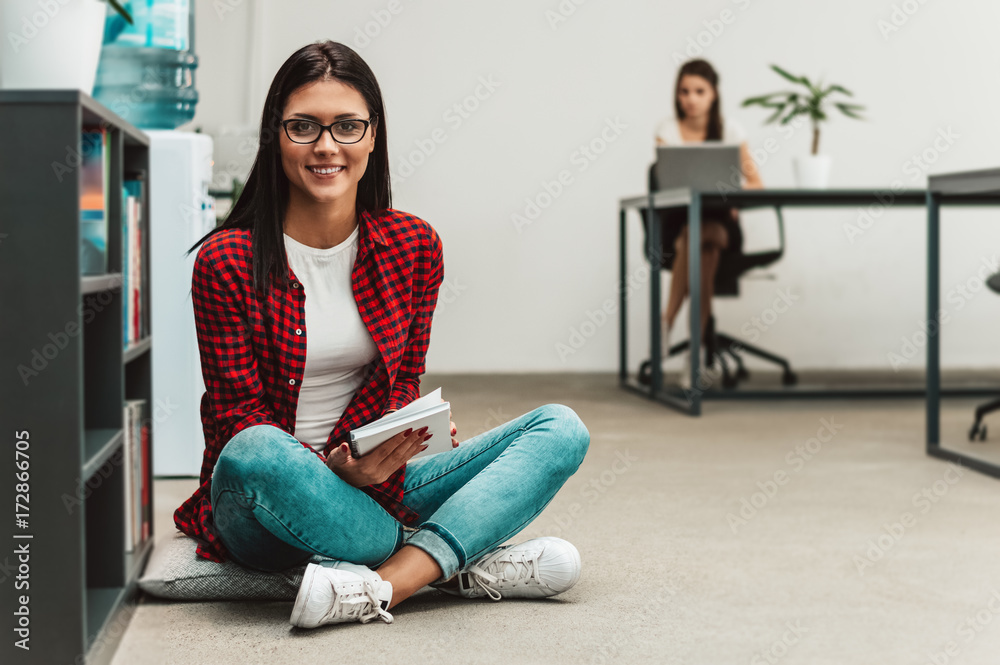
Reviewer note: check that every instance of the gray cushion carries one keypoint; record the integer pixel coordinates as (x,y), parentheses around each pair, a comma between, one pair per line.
(174,571)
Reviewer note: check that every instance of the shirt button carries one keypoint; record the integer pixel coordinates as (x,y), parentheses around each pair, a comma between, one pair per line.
(291,381)
(295,285)
(298,331)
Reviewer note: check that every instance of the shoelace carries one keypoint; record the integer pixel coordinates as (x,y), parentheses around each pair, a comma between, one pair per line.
(525,569)
(346,604)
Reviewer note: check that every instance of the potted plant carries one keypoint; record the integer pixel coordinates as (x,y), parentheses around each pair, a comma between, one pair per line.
(53,45)
(813,171)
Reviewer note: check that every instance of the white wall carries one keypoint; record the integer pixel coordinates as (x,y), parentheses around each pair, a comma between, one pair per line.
(512,295)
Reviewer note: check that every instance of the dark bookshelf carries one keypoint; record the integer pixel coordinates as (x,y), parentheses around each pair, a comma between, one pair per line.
(67,329)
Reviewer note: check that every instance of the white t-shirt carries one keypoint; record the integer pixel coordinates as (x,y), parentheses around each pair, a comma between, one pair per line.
(338,344)
(669,132)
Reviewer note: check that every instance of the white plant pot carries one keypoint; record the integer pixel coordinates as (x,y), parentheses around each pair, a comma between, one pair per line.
(51,44)
(812,171)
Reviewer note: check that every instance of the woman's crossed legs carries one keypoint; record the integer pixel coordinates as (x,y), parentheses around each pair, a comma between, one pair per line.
(276,504)
(714,239)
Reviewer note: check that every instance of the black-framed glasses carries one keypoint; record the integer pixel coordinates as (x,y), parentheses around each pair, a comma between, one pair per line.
(300,130)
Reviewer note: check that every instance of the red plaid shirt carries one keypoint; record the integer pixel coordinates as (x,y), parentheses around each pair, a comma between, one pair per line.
(253,352)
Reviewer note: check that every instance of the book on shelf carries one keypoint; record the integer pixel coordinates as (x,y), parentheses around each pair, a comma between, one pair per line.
(145,324)
(146,482)
(134,276)
(134,465)
(126,466)
(137,463)
(95,166)
(134,271)
(126,216)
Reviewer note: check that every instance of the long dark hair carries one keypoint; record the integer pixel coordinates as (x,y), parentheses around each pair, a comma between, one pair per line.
(261,205)
(706,71)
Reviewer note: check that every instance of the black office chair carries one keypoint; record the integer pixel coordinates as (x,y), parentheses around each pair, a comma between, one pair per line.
(732,265)
(978,429)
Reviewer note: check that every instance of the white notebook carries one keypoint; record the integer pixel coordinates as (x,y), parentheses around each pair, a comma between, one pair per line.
(428,410)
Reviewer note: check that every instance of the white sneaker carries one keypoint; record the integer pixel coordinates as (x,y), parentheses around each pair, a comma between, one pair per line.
(536,568)
(664,349)
(707,376)
(685,378)
(335,595)
(664,340)
(712,375)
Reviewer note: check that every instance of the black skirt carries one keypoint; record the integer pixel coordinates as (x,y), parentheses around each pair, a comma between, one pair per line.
(673,221)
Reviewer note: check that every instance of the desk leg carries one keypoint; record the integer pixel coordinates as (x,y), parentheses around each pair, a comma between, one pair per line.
(694,289)
(933,305)
(622,301)
(653,253)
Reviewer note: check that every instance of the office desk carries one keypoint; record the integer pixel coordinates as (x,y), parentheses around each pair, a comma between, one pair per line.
(689,400)
(964,188)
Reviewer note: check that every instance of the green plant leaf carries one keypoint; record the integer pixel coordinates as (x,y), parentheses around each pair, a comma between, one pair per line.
(121,10)
(801,80)
(764,100)
(774,116)
(751,101)
(798,110)
(848,110)
(790,77)
(837,88)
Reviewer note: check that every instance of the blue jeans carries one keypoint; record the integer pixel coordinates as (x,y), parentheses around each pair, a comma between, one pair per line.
(275,503)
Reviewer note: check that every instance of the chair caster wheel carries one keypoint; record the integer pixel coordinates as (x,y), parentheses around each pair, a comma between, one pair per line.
(789,378)
(645,376)
(978,430)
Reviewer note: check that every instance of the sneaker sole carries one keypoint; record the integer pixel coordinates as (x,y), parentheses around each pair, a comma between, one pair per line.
(302,599)
(576,560)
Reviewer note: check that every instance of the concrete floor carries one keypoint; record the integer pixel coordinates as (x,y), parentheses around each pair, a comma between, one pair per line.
(867,551)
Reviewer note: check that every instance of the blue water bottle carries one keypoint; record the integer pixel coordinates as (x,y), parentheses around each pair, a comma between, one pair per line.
(146,71)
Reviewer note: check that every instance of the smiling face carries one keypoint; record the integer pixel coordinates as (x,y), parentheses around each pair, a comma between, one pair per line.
(695,95)
(326,102)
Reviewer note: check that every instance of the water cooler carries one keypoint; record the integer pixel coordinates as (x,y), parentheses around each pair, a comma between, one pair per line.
(181,212)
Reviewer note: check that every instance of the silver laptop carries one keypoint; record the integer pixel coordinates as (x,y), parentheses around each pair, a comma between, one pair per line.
(701,166)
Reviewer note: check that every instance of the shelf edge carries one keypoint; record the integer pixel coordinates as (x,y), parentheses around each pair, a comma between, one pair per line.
(137,349)
(96,283)
(90,466)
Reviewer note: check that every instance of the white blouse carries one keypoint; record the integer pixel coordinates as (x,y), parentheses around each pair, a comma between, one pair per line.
(338,344)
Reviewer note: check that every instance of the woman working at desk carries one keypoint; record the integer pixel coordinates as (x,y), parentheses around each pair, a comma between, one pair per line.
(697,119)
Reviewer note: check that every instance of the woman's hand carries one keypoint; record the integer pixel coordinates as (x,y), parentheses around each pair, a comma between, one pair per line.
(454,430)
(375,467)
(451,424)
